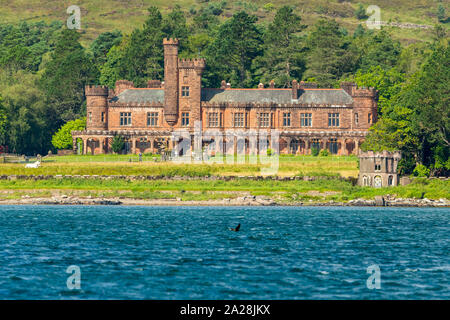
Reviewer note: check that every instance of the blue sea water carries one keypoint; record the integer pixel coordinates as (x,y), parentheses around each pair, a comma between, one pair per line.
(190,253)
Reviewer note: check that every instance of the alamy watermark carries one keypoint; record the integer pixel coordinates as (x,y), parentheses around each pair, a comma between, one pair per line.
(74,20)
(228,146)
(74,280)
(374,280)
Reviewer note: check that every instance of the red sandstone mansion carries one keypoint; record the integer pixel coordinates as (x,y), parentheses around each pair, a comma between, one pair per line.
(305,116)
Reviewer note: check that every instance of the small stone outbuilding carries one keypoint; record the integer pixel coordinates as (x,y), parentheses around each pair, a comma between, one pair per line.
(378,169)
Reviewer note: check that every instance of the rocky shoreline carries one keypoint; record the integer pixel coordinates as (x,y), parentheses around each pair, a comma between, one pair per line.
(241,201)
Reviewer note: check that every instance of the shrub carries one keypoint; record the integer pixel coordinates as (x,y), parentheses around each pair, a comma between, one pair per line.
(360,12)
(323,153)
(421,171)
(117,144)
(268,7)
(315,151)
(62,139)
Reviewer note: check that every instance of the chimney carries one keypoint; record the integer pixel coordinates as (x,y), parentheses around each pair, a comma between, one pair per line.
(260,86)
(294,89)
(272,84)
(153,84)
(170,80)
(348,87)
(228,85)
(223,84)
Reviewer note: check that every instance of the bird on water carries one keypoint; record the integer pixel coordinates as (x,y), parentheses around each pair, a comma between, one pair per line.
(237,228)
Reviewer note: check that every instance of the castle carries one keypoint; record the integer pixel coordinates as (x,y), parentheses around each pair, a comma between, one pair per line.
(305,116)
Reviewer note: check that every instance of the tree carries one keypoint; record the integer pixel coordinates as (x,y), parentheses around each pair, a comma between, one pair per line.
(117,144)
(110,71)
(103,43)
(441,13)
(359,31)
(415,118)
(3,123)
(62,139)
(360,12)
(65,77)
(143,57)
(428,94)
(388,83)
(27,129)
(283,51)
(236,44)
(380,50)
(330,55)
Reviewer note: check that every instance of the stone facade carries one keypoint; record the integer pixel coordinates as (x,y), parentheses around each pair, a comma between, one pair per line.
(306,116)
(378,169)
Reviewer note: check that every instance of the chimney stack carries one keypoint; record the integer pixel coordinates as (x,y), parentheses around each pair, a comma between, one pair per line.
(170,80)
(294,89)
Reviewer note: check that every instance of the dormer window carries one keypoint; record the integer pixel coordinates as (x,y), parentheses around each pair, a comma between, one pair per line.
(185,91)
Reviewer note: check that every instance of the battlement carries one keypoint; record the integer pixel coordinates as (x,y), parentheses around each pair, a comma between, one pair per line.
(170,41)
(352,89)
(135,104)
(365,92)
(383,154)
(307,85)
(154,84)
(122,85)
(191,63)
(95,90)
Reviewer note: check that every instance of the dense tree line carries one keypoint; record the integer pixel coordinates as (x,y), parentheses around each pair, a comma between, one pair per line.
(43,70)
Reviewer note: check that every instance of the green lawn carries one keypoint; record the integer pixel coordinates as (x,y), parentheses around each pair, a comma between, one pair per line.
(120,165)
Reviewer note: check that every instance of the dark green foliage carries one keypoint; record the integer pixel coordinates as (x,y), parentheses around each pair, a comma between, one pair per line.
(283,58)
(230,56)
(315,151)
(441,15)
(143,57)
(65,76)
(379,50)
(330,54)
(360,12)
(103,43)
(23,46)
(118,144)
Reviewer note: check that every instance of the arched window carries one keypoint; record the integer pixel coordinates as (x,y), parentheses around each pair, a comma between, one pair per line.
(377,182)
(365,181)
(294,146)
(390,181)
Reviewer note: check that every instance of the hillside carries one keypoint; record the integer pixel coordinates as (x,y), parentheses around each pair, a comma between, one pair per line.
(100,15)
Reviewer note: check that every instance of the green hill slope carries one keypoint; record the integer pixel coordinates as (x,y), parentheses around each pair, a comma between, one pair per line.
(105,15)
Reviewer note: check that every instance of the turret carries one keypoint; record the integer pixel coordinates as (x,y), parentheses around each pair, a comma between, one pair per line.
(170,80)
(190,87)
(96,107)
(365,106)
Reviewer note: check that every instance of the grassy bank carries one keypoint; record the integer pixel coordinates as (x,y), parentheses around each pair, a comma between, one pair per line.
(281,191)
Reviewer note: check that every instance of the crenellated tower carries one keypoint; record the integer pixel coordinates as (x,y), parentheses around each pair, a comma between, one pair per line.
(365,105)
(96,107)
(190,87)
(170,80)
